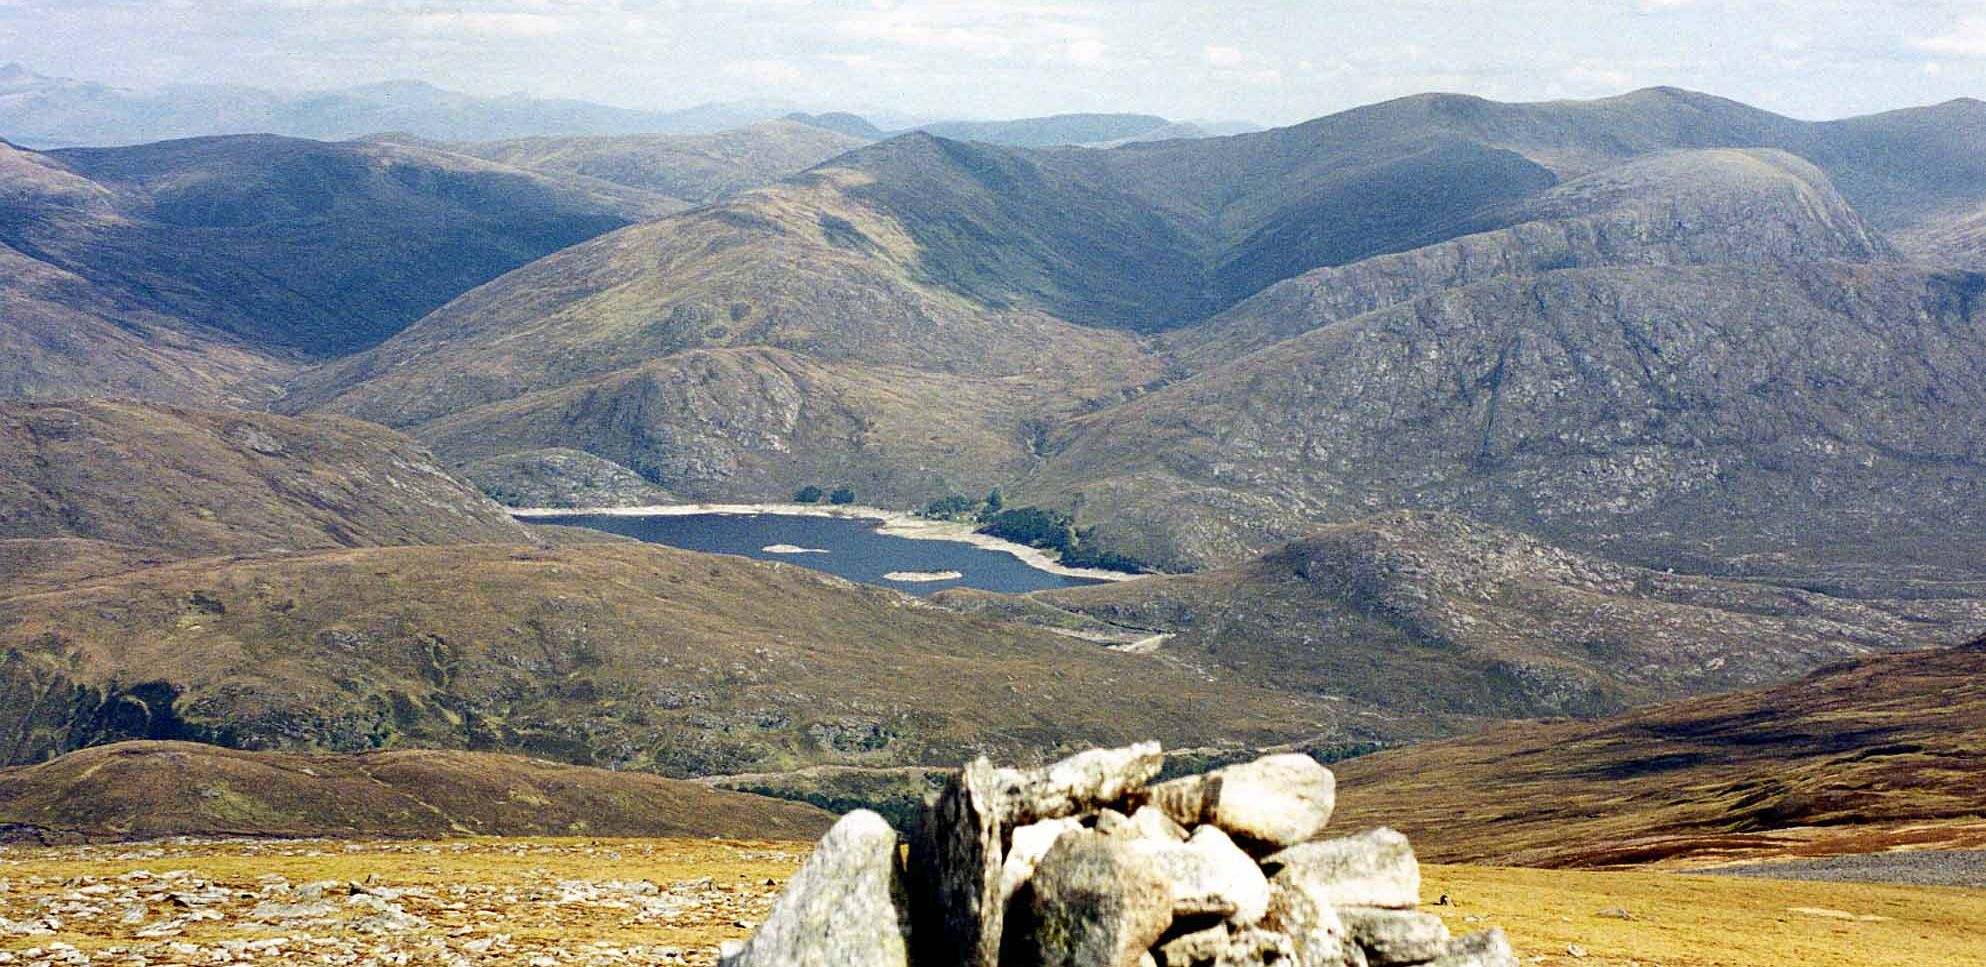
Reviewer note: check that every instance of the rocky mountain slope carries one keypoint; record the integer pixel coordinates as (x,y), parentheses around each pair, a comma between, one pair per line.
(1635,326)
(152,790)
(1858,758)
(616,654)
(175,482)
(1725,418)
(1757,207)
(1431,615)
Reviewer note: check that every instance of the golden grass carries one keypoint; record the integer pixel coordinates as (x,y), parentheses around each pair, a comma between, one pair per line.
(1675,920)
(1704,921)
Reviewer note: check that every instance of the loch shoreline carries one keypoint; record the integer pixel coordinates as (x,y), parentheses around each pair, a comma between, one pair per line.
(893,523)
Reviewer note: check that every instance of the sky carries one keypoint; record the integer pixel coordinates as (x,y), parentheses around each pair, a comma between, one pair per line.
(1270,61)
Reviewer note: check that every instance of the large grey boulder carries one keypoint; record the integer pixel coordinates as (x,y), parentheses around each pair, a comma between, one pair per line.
(1487,949)
(1093,902)
(959,851)
(1273,802)
(1025,848)
(956,857)
(1226,945)
(1390,937)
(1317,934)
(1373,869)
(1081,783)
(1209,874)
(847,907)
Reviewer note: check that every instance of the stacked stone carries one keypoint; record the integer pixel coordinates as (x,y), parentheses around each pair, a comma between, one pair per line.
(1085,863)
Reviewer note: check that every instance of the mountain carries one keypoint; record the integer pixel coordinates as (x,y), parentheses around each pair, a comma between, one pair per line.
(178,482)
(1087,130)
(1859,757)
(795,312)
(1059,129)
(153,790)
(695,168)
(1436,617)
(840,122)
(1643,327)
(51,112)
(1758,207)
(1810,418)
(305,246)
(615,654)
(207,271)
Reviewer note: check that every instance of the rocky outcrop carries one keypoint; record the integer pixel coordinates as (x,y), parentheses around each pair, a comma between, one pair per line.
(846,906)
(562,477)
(1430,612)
(1730,418)
(1758,207)
(1081,864)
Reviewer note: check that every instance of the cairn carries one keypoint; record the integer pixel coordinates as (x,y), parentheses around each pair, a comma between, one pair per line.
(1086,863)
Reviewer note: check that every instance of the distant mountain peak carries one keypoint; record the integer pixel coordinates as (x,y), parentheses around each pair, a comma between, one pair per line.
(841,122)
(16,73)
(398,86)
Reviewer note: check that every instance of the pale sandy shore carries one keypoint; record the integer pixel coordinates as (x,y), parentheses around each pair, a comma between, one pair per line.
(915,577)
(894,523)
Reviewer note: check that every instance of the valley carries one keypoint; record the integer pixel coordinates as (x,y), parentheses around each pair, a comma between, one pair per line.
(401,532)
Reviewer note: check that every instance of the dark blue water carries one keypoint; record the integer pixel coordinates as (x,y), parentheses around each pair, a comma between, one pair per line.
(854,550)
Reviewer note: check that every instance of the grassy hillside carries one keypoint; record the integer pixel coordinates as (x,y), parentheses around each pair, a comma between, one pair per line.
(1432,615)
(63,338)
(203,271)
(696,168)
(150,790)
(1861,757)
(618,654)
(181,482)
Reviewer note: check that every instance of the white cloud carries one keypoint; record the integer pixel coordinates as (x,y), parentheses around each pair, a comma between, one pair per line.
(1590,76)
(765,71)
(1087,53)
(1222,58)
(490,23)
(1235,64)
(980,28)
(1967,39)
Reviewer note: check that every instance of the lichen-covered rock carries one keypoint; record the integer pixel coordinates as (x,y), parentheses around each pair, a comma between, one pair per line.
(1209,875)
(1273,802)
(1025,849)
(959,852)
(956,859)
(1487,949)
(847,906)
(1226,945)
(1148,822)
(1390,937)
(1080,783)
(1317,935)
(1093,902)
(1373,869)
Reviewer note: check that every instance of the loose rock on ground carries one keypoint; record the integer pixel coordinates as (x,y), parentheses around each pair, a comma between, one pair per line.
(1084,864)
